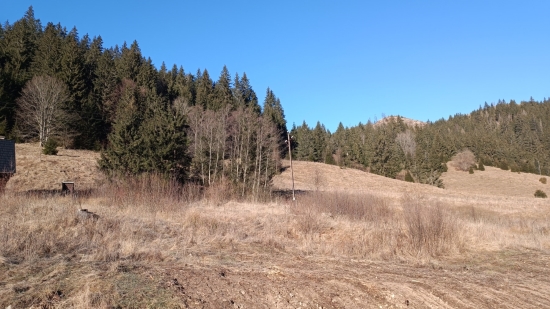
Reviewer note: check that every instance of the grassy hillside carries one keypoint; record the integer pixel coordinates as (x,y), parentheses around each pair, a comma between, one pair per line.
(494,182)
(36,171)
(350,240)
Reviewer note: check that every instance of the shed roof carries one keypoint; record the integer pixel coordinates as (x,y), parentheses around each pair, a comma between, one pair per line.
(7,156)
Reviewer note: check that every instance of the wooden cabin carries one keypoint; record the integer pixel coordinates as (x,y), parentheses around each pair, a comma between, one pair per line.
(7,161)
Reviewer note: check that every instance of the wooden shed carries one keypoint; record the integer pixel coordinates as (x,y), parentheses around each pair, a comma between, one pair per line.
(7,161)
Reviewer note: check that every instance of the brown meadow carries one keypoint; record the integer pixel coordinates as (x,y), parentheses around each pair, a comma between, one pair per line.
(350,240)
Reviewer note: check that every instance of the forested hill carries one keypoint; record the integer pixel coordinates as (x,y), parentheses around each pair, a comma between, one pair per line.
(95,76)
(144,119)
(507,135)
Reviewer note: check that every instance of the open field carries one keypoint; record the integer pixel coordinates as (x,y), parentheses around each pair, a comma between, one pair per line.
(350,240)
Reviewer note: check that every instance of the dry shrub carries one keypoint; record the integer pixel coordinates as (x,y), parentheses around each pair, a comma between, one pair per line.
(540,193)
(152,192)
(543,180)
(221,192)
(431,230)
(463,160)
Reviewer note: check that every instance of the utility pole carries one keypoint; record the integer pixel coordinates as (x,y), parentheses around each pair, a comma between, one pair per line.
(291,170)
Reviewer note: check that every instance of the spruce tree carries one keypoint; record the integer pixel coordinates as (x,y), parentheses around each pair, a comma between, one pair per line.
(222,95)
(203,89)
(249,96)
(47,60)
(125,148)
(273,111)
(128,61)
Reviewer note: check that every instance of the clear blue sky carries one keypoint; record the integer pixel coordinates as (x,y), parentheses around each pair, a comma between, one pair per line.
(336,61)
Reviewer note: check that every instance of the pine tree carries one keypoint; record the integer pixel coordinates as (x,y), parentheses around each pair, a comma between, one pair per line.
(248,95)
(222,96)
(129,62)
(124,152)
(319,143)
(147,137)
(164,140)
(148,76)
(183,88)
(203,89)
(100,78)
(73,70)
(47,60)
(273,111)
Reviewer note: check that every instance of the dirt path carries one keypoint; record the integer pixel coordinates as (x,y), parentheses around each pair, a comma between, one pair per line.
(517,280)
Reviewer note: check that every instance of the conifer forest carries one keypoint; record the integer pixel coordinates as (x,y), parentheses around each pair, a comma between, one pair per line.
(58,85)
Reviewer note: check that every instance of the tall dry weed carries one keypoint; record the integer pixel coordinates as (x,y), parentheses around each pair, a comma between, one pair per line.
(152,192)
(431,229)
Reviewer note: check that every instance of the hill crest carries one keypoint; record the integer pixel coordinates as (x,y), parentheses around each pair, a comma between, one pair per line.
(408,121)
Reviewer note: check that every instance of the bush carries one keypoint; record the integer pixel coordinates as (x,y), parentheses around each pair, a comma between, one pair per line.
(408,177)
(543,180)
(481,167)
(471,170)
(463,160)
(540,193)
(503,165)
(50,148)
(488,162)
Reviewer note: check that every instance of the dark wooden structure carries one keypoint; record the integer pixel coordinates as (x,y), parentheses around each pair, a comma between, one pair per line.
(7,162)
(67,187)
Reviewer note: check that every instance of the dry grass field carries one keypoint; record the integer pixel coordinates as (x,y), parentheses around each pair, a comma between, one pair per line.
(350,240)
(38,172)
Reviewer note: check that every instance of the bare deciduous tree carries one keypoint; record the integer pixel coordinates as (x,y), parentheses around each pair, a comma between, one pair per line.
(406,141)
(39,109)
(464,160)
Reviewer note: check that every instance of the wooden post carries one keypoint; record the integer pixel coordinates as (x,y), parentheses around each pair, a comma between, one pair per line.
(291,170)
